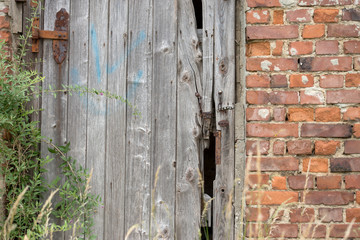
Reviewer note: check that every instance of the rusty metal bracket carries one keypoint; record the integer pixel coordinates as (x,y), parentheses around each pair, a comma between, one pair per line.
(217,136)
(59,35)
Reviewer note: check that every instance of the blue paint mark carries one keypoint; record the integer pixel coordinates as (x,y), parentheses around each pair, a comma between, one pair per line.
(96,50)
(135,44)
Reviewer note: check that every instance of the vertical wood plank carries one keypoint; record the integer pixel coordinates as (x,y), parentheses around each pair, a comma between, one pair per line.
(138,134)
(164,118)
(96,105)
(189,128)
(116,121)
(208,67)
(78,75)
(54,116)
(224,95)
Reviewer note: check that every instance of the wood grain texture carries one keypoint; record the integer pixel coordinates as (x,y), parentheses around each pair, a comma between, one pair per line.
(116,122)
(189,129)
(96,105)
(78,75)
(164,118)
(224,83)
(138,134)
(54,116)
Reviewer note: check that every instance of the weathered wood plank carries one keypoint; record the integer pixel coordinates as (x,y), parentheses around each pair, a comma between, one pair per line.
(116,122)
(189,129)
(138,134)
(96,119)
(164,118)
(208,67)
(54,118)
(224,94)
(78,72)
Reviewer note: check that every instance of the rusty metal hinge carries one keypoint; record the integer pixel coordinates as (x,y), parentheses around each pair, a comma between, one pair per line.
(59,35)
(217,136)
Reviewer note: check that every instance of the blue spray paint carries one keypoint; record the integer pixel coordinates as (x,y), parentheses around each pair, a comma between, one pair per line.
(96,50)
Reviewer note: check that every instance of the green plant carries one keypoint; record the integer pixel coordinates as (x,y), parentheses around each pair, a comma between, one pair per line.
(22,167)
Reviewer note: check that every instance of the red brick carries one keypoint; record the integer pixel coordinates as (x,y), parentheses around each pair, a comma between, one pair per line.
(326,147)
(352,181)
(254,81)
(358,197)
(301,114)
(324,2)
(277,51)
(313,231)
(271,197)
(271,64)
(300,215)
(328,182)
(356,130)
(6,36)
(279,148)
(272,130)
(252,146)
(258,114)
(301,80)
(257,97)
(357,63)
(278,81)
(331,81)
(278,183)
(312,96)
(300,182)
(274,164)
(274,231)
(352,80)
(352,147)
(284,97)
(340,230)
(309,64)
(313,31)
(339,30)
(299,15)
(352,47)
(257,214)
(326,130)
(4,23)
(300,48)
(257,16)
(258,49)
(345,165)
(352,114)
(279,114)
(278,17)
(299,147)
(327,114)
(272,32)
(257,180)
(327,47)
(330,214)
(325,15)
(316,165)
(263,3)
(343,96)
(353,214)
(328,198)
(351,14)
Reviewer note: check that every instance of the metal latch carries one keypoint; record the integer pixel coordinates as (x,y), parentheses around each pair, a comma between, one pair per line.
(217,136)
(59,35)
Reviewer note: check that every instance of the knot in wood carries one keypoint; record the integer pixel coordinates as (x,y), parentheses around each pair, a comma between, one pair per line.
(223,66)
(186,77)
(189,175)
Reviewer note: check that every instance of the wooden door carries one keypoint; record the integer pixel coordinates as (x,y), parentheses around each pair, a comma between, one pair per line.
(147,153)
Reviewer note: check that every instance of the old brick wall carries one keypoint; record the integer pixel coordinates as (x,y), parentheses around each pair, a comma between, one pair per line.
(303,109)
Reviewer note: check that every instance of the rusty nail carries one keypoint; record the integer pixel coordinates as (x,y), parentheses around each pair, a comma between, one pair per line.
(220,92)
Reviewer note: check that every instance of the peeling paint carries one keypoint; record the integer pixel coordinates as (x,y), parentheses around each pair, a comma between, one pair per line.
(263,113)
(256,15)
(265,65)
(315,93)
(304,79)
(303,19)
(288,3)
(335,62)
(293,51)
(276,68)
(265,12)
